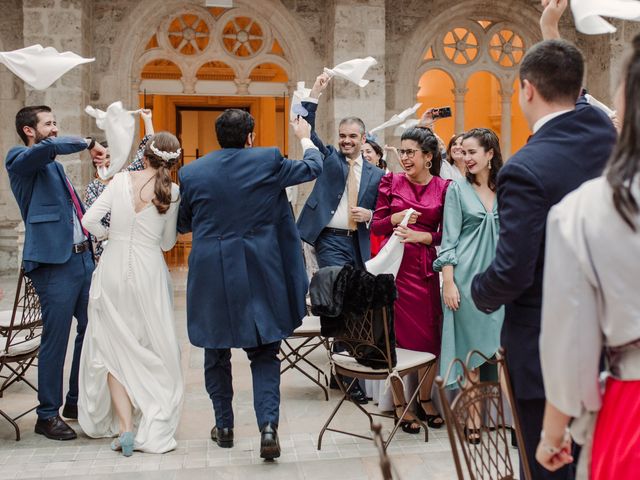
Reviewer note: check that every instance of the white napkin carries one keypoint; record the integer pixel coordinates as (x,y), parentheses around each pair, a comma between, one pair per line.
(597,103)
(118,125)
(388,259)
(587,14)
(353,70)
(399,130)
(300,93)
(40,67)
(397,118)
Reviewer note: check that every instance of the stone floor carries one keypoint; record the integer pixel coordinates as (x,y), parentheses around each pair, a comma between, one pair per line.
(303,412)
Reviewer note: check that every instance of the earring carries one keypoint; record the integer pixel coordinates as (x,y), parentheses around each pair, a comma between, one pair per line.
(489,164)
(428,165)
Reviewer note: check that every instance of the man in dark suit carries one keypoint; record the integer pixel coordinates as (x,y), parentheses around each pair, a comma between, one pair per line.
(57,255)
(247,281)
(336,217)
(334,223)
(570,145)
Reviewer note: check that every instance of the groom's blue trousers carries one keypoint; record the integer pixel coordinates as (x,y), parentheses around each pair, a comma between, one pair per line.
(265,370)
(64,293)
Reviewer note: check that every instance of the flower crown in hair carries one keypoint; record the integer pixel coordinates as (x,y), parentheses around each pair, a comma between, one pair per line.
(166,156)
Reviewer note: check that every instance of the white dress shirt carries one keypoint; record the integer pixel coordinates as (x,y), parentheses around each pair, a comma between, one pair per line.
(547,118)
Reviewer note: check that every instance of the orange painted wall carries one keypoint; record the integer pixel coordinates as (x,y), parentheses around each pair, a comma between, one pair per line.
(482,105)
(519,128)
(435,91)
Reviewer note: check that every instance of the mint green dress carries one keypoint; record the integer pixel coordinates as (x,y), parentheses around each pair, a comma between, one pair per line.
(469,240)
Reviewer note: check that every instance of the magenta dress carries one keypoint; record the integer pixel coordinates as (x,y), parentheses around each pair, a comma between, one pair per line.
(418,311)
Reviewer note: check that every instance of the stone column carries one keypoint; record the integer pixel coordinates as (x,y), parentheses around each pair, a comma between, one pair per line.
(505,123)
(65,25)
(11,100)
(458,95)
(357,31)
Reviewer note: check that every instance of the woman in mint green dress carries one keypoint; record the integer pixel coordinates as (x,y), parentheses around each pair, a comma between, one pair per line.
(470,236)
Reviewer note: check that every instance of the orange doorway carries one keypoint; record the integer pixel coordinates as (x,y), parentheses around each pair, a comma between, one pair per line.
(192,119)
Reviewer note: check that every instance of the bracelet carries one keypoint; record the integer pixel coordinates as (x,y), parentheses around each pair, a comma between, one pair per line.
(91,144)
(550,449)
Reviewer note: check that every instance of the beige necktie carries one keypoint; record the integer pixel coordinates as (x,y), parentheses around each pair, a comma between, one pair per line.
(352,192)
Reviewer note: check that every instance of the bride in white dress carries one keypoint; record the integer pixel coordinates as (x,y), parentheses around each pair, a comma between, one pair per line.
(130,376)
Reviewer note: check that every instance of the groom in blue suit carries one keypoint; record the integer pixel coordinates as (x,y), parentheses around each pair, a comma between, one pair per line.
(571,144)
(247,282)
(57,255)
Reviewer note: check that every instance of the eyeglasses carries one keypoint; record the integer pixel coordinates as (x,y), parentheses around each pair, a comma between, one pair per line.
(409,152)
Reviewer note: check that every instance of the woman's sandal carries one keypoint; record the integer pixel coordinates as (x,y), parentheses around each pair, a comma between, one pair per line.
(434,421)
(408,426)
(472,435)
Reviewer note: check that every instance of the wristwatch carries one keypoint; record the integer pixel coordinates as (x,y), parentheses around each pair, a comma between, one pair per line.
(91,142)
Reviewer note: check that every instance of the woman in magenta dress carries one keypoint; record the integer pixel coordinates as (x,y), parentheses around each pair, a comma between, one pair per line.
(418,310)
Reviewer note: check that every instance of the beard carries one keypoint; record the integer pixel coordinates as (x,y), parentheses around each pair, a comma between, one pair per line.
(40,137)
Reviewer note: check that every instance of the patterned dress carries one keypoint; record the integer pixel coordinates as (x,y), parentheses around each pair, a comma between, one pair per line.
(97,186)
(418,319)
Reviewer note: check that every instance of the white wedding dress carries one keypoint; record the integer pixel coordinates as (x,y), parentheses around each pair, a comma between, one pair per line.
(131,331)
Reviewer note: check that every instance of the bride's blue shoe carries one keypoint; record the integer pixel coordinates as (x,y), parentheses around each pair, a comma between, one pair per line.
(123,443)
(126,443)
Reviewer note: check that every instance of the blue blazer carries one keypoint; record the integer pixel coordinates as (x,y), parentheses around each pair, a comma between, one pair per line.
(563,154)
(38,183)
(247,281)
(329,188)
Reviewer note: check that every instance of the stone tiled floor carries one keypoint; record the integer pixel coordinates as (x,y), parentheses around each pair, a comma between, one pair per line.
(303,413)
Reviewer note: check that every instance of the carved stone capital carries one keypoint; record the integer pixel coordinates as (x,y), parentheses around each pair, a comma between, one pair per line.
(459,92)
(242,85)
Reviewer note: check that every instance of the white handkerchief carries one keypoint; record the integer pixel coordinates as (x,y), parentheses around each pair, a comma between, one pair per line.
(40,67)
(300,93)
(118,125)
(353,70)
(388,259)
(399,130)
(397,118)
(587,14)
(597,103)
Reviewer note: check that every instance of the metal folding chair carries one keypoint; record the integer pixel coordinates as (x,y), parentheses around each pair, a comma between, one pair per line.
(479,406)
(358,341)
(20,332)
(295,351)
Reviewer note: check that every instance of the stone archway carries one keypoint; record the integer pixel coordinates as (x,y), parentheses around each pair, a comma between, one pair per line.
(461,54)
(129,47)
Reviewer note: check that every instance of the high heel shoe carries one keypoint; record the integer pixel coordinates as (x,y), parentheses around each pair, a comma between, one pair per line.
(410,425)
(434,421)
(123,443)
(472,435)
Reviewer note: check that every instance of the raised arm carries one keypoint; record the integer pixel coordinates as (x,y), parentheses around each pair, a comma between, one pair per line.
(294,172)
(523,215)
(31,159)
(137,163)
(553,10)
(311,105)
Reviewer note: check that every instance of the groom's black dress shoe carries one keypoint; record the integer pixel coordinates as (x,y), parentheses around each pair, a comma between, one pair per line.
(70,411)
(269,444)
(222,436)
(55,428)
